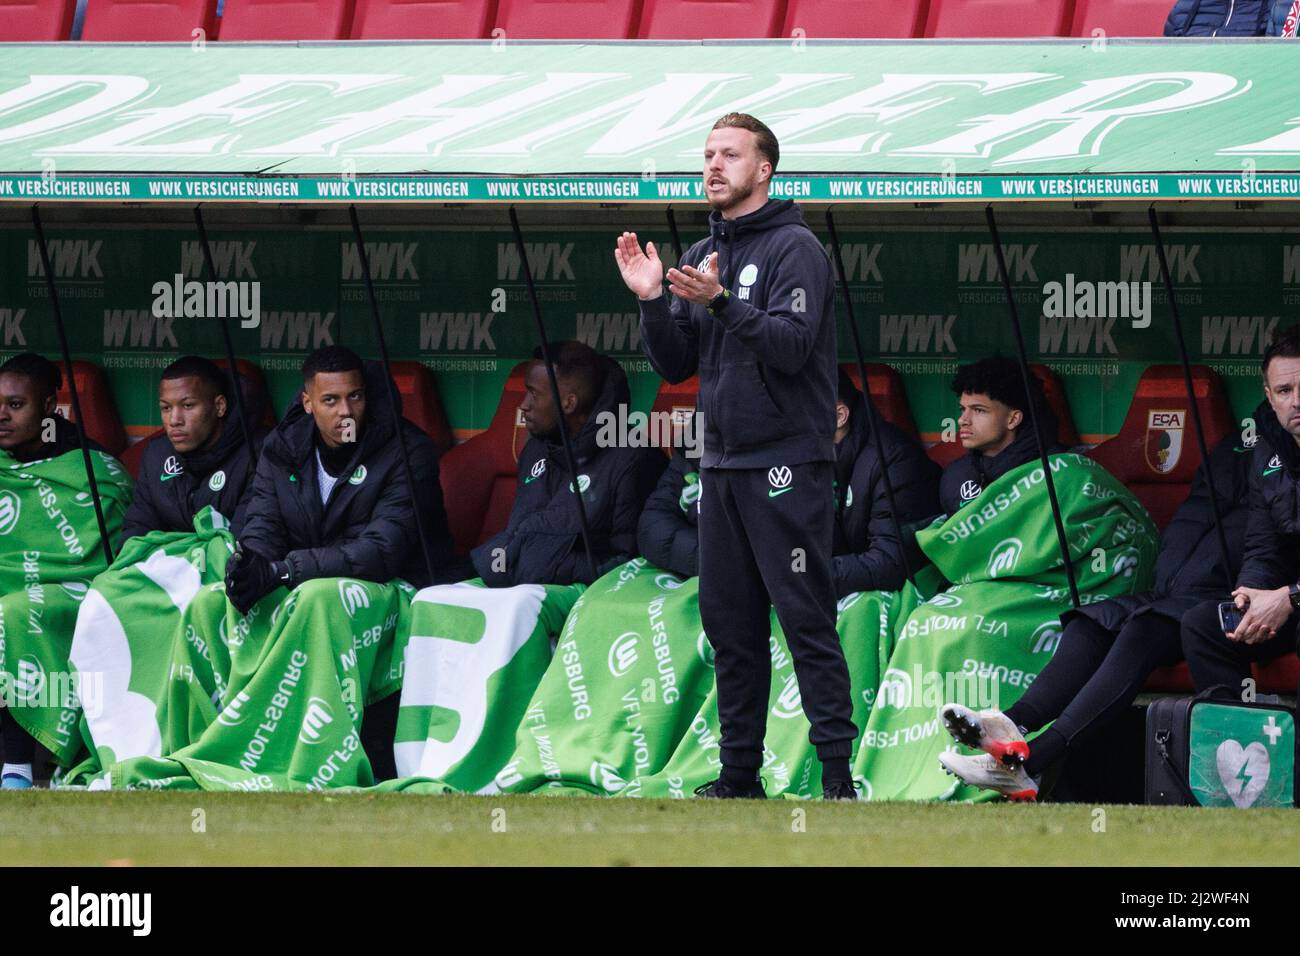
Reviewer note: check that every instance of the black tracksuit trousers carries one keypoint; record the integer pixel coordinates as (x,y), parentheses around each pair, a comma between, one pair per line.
(1094,674)
(1213,659)
(765,540)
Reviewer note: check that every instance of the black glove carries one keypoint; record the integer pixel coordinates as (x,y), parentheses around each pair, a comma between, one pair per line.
(250,577)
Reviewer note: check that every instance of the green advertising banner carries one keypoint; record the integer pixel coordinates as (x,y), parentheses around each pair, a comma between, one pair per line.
(1093,306)
(1050,116)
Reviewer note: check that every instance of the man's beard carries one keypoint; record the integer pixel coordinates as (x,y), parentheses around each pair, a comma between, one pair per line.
(734,199)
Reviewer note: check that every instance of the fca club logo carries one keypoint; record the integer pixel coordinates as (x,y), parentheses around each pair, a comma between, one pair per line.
(1164,445)
(780,479)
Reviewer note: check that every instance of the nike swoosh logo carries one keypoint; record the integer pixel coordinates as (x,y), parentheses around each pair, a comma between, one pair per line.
(529,479)
(170,477)
(773,492)
(1270,471)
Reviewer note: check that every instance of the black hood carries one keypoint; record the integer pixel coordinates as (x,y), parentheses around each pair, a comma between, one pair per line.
(1278,438)
(613,393)
(777,213)
(293,441)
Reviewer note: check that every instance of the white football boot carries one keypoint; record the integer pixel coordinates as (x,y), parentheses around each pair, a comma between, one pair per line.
(988,730)
(988,773)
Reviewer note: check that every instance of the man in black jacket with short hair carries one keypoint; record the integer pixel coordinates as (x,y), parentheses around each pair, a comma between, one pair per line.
(1267,591)
(201,458)
(753,310)
(542,541)
(865,546)
(330,497)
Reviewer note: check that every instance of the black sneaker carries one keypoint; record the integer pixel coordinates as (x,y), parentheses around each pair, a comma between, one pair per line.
(842,790)
(721,790)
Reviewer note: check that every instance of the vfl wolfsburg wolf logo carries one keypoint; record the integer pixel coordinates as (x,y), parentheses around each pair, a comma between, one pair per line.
(606,777)
(232,714)
(76,589)
(318,716)
(1045,638)
(1004,558)
(217,481)
(779,478)
(788,703)
(584,482)
(667,582)
(945,599)
(10,507)
(353,595)
(622,653)
(705,649)
(30,680)
(358,476)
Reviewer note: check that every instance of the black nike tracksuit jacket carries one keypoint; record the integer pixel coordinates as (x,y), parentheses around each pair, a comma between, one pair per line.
(542,541)
(767,367)
(865,548)
(367,528)
(173,488)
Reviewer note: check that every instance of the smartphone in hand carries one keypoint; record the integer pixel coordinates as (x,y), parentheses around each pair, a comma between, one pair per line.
(1229,616)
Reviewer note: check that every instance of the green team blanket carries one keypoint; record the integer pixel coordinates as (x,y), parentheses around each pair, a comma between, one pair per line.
(983,641)
(472,660)
(50,548)
(790,766)
(198,696)
(624,706)
(631,670)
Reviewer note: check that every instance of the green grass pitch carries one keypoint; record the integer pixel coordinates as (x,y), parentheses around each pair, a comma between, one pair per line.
(40,828)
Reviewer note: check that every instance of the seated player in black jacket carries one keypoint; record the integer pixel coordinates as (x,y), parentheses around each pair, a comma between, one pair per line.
(330,497)
(994,428)
(200,459)
(542,541)
(866,552)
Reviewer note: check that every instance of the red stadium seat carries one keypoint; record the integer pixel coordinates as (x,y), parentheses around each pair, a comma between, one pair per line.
(1278,676)
(1120,18)
(420,402)
(479,475)
(887,393)
(710,19)
(36,21)
(257,402)
(1155,452)
(101,420)
(421,19)
(945,453)
(148,20)
(285,20)
(856,18)
(567,19)
(956,19)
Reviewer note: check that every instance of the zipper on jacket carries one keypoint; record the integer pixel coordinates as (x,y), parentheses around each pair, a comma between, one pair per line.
(1232,6)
